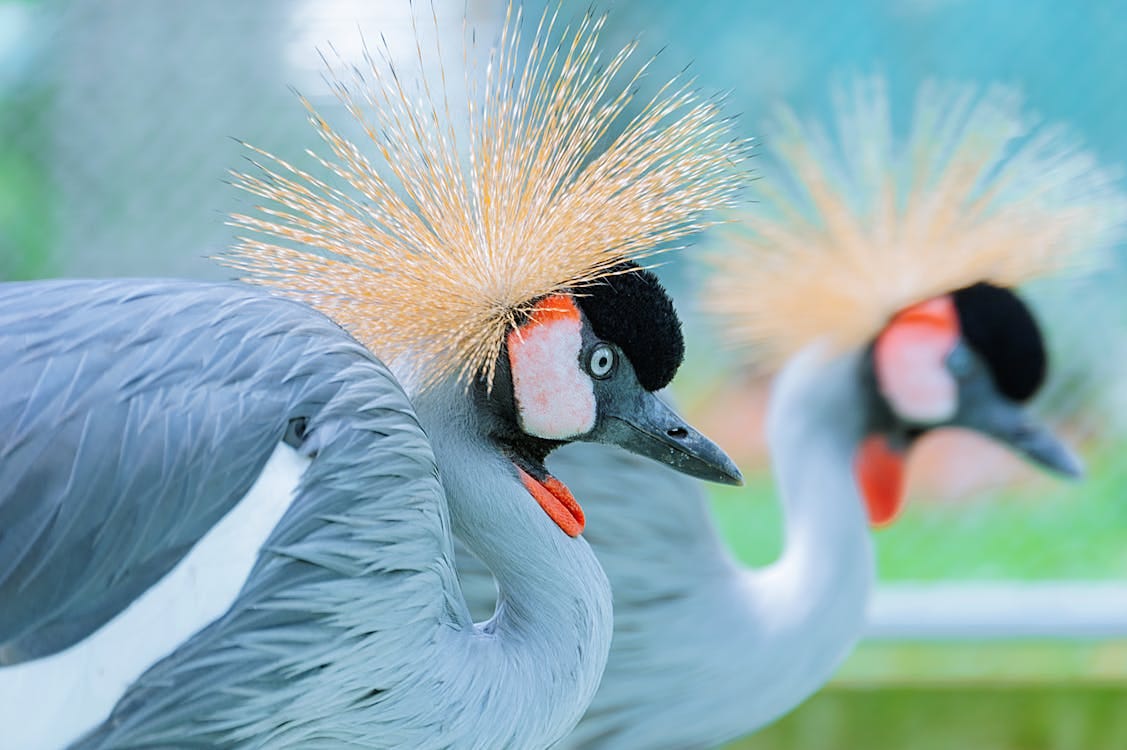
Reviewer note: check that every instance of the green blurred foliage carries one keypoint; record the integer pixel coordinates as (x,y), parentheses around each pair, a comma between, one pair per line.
(907,696)
(26,207)
(1045,530)
(1012,695)
(954,717)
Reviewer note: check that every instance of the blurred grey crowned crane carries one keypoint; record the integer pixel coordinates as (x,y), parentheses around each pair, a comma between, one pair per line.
(225,523)
(880,274)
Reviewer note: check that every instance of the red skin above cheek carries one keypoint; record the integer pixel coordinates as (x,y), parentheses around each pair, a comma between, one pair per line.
(555,398)
(910,360)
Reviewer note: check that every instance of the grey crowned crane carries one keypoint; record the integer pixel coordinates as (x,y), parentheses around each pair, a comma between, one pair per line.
(881,273)
(223,521)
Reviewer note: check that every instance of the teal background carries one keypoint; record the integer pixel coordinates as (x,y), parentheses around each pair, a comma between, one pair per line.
(115,127)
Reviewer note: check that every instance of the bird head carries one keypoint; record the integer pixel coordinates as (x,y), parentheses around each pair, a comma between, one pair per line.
(489,242)
(586,366)
(907,249)
(971,359)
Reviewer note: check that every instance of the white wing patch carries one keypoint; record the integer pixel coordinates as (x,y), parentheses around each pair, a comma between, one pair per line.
(555,397)
(49,703)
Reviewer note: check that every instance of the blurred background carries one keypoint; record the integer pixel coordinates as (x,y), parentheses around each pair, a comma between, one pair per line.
(1000,623)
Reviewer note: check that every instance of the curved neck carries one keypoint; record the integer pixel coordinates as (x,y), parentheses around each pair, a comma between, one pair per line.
(553,622)
(771,635)
(693,624)
(814,597)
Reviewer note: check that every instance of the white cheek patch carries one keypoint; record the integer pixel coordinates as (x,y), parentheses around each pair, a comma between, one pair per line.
(910,358)
(555,398)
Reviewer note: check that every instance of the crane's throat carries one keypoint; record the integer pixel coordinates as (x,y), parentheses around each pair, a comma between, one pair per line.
(556,500)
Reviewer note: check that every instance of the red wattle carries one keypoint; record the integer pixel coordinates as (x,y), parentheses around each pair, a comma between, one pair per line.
(557,501)
(880,475)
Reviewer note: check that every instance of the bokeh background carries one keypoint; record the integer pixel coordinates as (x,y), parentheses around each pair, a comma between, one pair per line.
(1000,624)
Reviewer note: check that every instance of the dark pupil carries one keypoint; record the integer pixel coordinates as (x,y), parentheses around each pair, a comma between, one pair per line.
(603,361)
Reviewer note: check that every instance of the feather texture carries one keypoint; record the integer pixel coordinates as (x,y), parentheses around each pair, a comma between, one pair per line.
(138,413)
(853,226)
(437,244)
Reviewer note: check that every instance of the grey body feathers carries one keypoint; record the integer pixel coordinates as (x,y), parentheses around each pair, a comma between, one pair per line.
(162,401)
(706,650)
(136,415)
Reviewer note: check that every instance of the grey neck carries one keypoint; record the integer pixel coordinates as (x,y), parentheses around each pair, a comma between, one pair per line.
(816,594)
(553,620)
(772,635)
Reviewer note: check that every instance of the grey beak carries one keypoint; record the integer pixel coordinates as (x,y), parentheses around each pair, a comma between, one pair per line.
(1007,422)
(647,426)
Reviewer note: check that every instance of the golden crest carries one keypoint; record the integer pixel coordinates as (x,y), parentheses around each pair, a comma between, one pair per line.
(851,226)
(432,240)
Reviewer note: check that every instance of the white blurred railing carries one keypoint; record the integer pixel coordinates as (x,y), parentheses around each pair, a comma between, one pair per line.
(997,611)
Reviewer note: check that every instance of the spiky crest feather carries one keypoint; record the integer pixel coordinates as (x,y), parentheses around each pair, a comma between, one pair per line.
(848,233)
(441,269)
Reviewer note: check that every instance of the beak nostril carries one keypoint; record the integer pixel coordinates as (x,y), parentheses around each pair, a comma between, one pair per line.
(679,433)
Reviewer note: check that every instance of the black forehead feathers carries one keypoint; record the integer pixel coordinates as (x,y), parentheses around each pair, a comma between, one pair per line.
(999,327)
(633,310)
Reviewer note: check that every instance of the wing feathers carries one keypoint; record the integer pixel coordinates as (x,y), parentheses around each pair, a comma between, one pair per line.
(141,412)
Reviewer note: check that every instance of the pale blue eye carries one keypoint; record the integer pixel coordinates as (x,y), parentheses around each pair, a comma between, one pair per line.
(601,361)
